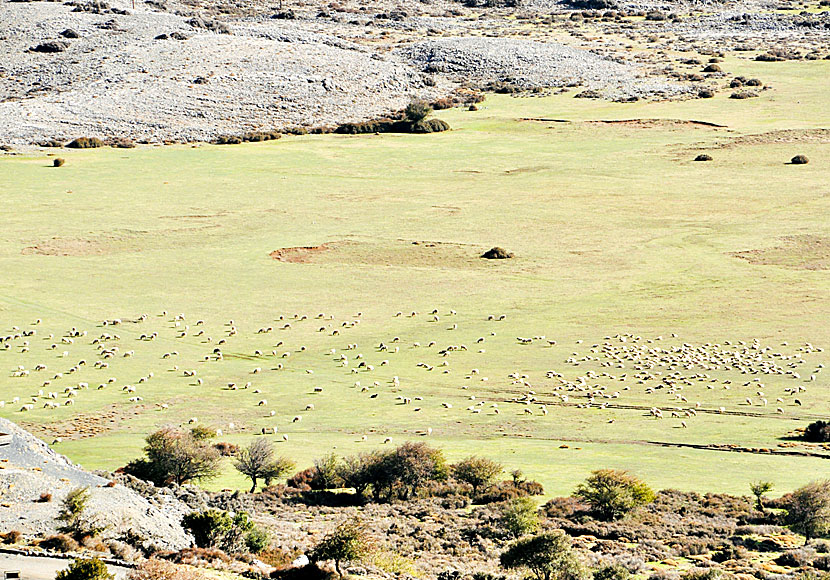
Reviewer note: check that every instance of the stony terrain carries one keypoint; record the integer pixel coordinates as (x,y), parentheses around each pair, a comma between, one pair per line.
(30,468)
(188,71)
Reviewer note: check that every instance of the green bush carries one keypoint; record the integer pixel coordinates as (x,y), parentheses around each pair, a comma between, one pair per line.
(417,110)
(429,126)
(218,529)
(257,540)
(58,162)
(85,143)
(85,569)
(612,572)
(520,517)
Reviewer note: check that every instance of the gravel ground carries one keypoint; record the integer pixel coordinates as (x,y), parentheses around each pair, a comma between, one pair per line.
(529,64)
(30,468)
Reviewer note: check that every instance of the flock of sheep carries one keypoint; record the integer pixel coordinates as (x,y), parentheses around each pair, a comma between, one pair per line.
(51,370)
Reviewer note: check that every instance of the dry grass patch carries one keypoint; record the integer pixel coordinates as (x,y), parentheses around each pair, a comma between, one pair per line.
(802,252)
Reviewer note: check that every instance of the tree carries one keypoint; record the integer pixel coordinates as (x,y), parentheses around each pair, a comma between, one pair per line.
(417,110)
(548,556)
(479,472)
(809,509)
(257,461)
(174,456)
(613,493)
(520,517)
(406,469)
(758,489)
(347,543)
(85,569)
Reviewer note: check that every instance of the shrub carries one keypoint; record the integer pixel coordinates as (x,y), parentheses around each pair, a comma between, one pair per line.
(214,528)
(754,83)
(703,157)
(655,15)
(60,543)
(496,253)
(326,473)
(726,552)
(612,493)
(520,517)
(743,95)
(612,572)
(202,432)
(417,110)
(44,497)
(705,94)
(759,489)
(548,557)
(712,68)
(12,537)
(85,569)
(800,160)
(702,574)
(58,162)
(347,543)
(85,143)
(795,558)
(429,126)
(257,540)
(156,569)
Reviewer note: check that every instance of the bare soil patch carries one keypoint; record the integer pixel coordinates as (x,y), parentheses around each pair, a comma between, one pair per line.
(816,136)
(381,253)
(660,123)
(300,254)
(802,252)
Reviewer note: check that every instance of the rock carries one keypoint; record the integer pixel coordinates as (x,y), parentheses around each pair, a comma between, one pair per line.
(51,46)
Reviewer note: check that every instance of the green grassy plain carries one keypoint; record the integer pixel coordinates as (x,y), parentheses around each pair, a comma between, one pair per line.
(615,229)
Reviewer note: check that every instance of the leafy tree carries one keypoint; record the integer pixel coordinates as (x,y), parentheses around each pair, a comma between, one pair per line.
(257,461)
(218,529)
(612,493)
(548,556)
(417,110)
(479,472)
(520,517)
(758,489)
(85,569)
(174,456)
(809,509)
(407,469)
(326,473)
(817,431)
(347,543)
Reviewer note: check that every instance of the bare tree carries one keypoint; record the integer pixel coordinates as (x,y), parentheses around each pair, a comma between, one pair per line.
(257,461)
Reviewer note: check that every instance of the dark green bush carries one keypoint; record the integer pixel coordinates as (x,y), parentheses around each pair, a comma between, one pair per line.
(430,126)
(802,160)
(85,143)
(58,162)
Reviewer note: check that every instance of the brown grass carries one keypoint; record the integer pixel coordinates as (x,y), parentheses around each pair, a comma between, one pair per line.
(801,252)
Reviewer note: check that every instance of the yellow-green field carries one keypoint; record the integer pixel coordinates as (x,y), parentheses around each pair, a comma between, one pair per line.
(615,229)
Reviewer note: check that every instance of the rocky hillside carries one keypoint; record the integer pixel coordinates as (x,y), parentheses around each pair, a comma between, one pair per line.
(34,479)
